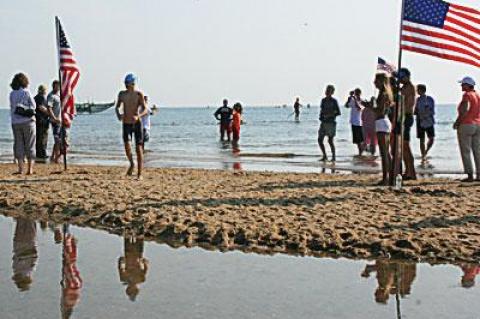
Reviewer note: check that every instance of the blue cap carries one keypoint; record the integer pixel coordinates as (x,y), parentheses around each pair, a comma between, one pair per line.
(403,73)
(130,78)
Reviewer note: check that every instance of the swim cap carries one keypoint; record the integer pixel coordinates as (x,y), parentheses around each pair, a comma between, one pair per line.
(130,79)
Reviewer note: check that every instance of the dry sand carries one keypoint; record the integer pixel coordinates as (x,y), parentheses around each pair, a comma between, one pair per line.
(434,220)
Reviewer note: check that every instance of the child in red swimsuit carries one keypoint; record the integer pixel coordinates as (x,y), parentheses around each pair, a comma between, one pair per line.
(237,121)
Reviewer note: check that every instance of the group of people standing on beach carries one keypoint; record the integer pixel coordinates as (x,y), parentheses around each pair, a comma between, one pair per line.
(373,122)
(31,119)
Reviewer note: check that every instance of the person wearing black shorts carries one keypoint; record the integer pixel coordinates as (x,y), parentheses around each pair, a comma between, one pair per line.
(408,97)
(134,109)
(425,112)
(354,103)
(134,131)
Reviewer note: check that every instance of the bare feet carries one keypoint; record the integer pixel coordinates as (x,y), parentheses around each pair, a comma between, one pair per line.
(139,178)
(18,173)
(130,170)
(324,159)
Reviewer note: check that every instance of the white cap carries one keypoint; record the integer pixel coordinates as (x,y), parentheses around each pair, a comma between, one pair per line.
(467,80)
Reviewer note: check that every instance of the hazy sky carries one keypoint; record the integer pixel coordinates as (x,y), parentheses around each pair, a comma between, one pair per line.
(195,52)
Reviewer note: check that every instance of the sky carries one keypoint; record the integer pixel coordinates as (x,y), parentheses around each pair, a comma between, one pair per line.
(196,52)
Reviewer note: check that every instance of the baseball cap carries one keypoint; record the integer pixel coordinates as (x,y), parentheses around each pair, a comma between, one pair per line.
(467,80)
(130,78)
(402,73)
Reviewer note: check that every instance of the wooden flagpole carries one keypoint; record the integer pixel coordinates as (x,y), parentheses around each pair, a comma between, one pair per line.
(62,130)
(396,167)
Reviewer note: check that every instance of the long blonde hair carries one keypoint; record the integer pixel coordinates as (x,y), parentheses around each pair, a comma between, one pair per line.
(385,84)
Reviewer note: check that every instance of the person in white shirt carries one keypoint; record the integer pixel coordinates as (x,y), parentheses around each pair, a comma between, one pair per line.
(146,122)
(354,103)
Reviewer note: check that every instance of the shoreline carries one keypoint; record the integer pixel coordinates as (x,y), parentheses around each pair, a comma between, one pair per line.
(430,220)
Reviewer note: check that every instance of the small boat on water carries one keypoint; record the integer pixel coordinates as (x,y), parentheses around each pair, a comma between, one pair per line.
(92,108)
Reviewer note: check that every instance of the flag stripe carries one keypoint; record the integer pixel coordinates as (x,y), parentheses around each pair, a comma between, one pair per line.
(440,54)
(466,16)
(440,45)
(462,24)
(434,34)
(463,8)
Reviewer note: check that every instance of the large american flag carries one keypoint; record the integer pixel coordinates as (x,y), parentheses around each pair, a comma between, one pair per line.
(69,76)
(442,29)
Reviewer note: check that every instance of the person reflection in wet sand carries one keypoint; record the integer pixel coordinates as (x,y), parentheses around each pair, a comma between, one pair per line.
(71,281)
(393,278)
(132,267)
(469,274)
(25,253)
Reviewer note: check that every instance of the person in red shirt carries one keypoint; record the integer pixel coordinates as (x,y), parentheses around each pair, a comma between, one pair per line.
(237,121)
(468,128)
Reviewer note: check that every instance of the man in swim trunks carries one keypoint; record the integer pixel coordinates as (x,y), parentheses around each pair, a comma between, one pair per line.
(224,115)
(134,109)
(408,97)
(329,110)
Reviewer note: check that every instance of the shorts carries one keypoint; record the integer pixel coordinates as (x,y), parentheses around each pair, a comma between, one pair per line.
(226,127)
(56,130)
(383,125)
(328,129)
(357,132)
(146,135)
(134,130)
(407,127)
(421,131)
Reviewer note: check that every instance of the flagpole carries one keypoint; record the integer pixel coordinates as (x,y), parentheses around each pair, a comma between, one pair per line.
(396,167)
(62,130)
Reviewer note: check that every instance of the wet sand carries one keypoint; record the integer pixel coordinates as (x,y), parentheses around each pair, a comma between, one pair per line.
(434,220)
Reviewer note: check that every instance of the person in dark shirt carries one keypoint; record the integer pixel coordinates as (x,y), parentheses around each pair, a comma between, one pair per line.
(329,110)
(296,109)
(42,122)
(224,115)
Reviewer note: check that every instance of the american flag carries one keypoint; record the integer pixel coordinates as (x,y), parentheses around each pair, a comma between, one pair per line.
(442,29)
(69,75)
(383,65)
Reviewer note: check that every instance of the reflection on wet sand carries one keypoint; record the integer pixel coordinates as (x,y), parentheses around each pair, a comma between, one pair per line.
(25,253)
(237,165)
(132,267)
(469,274)
(71,281)
(393,277)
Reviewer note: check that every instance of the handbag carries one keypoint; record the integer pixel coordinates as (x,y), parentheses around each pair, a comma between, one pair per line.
(24,111)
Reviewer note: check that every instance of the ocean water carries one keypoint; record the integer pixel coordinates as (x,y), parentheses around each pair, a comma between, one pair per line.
(37,282)
(270,140)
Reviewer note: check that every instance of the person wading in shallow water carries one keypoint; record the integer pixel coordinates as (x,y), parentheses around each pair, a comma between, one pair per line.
(425,112)
(296,109)
(329,110)
(224,115)
(134,109)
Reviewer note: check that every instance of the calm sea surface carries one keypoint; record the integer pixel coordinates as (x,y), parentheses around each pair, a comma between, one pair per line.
(270,140)
(127,278)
